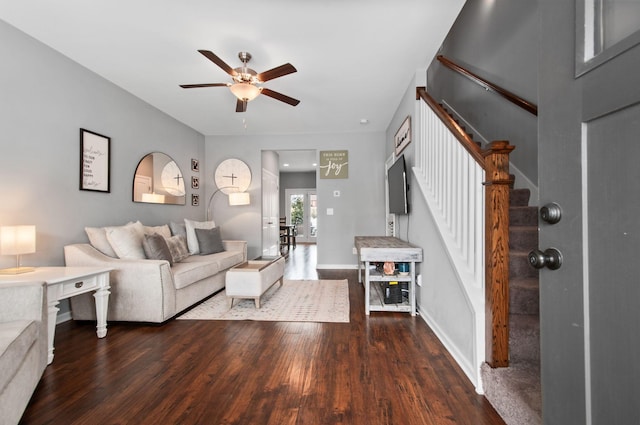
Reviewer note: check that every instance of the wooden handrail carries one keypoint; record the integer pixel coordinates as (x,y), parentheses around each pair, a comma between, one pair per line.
(452,125)
(495,162)
(511,97)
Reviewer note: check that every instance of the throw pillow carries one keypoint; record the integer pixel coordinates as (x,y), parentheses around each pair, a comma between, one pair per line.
(178,248)
(209,240)
(156,248)
(126,240)
(192,240)
(98,239)
(178,229)
(161,230)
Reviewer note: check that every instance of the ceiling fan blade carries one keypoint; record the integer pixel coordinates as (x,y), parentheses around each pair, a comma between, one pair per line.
(279,96)
(222,64)
(241,106)
(276,72)
(194,86)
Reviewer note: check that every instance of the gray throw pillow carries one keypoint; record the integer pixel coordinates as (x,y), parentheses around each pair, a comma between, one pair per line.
(209,240)
(156,248)
(178,248)
(178,229)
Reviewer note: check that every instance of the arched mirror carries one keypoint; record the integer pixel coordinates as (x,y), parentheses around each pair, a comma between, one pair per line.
(158,180)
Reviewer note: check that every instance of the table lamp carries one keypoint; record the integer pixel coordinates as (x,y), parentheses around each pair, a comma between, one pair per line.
(17,240)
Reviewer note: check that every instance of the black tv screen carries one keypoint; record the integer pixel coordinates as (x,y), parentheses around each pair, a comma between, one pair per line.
(398,187)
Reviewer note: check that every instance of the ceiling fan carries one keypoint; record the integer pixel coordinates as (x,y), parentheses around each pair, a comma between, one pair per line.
(245,80)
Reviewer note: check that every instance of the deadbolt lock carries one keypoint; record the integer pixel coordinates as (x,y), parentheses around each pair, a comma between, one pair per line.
(551,213)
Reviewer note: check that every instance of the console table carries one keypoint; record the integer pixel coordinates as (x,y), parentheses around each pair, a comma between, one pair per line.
(66,282)
(373,249)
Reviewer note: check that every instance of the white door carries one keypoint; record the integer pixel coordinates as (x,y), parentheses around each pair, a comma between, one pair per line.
(589,122)
(302,211)
(270,208)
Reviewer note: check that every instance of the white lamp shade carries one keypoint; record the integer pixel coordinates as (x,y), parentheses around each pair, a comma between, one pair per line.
(16,240)
(244,91)
(239,198)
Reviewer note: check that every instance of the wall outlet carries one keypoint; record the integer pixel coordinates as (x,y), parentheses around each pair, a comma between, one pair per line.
(336,193)
(329,211)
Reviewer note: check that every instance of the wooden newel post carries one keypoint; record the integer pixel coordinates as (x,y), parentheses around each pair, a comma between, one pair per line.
(497,188)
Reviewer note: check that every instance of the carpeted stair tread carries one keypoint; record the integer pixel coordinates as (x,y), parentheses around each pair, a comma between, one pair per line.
(519,265)
(524,338)
(523,216)
(515,392)
(519,197)
(523,238)
(524,295)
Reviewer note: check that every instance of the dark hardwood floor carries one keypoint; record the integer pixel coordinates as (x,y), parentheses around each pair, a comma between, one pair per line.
(383,369)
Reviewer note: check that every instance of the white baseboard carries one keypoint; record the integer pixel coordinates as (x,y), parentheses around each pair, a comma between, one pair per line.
(63,317)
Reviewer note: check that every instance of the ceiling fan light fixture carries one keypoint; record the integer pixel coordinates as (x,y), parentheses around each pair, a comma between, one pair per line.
(244,91)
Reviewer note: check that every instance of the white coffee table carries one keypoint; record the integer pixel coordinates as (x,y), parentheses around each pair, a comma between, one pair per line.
(66,282)
(253,278)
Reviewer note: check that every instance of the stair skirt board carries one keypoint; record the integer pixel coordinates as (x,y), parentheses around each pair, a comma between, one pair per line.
(472,372)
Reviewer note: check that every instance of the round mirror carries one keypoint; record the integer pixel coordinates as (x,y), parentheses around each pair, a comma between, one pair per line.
(158,180)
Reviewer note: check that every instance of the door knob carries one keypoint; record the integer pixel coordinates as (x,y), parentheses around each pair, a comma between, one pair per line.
(551,258)
(551,213)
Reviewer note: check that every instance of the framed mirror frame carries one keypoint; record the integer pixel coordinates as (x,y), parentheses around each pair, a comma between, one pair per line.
(158,180)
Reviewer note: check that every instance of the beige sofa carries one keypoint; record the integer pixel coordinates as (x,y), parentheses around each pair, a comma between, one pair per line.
(23,346)
(150,290)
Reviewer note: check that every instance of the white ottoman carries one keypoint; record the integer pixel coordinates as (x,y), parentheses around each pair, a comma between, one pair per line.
(253,278)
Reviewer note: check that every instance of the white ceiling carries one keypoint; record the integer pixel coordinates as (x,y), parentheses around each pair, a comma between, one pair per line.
(355,58)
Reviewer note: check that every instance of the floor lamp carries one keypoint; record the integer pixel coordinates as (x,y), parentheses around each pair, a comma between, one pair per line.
(235,198)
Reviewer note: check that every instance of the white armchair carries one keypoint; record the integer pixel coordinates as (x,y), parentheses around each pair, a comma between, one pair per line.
(23,346)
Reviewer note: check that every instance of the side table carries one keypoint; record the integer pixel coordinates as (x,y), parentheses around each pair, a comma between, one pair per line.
(66,282)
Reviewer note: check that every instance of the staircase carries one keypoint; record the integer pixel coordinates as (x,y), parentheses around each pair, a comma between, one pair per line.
(514,391)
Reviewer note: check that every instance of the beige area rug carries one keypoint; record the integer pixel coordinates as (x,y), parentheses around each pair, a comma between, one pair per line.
(295,301)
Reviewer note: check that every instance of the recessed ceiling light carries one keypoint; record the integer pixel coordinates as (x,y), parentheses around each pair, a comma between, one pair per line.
(314,164)
(285,165)
(364,121)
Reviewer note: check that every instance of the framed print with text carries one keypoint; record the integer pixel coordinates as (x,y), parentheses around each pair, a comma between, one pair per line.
(403,136)
(95,161)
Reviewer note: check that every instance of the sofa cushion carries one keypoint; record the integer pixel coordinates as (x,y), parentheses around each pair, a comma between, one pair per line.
(186,273)
(156,248)
(209,241)
(16,338)
(225,259)
(191,226)
(178,248)
(126,240)
(98,239)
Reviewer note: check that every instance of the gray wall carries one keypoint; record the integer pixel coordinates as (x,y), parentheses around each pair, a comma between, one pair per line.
(46,99)
(356,211)
(294,180)
(499,42)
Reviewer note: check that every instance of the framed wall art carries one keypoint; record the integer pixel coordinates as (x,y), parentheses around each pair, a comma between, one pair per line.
(195,199)
(334,164)
(195,165)
(403,136)
(195,182)
(95,161)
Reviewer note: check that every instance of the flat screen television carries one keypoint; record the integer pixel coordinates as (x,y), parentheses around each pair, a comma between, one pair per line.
(398,187)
